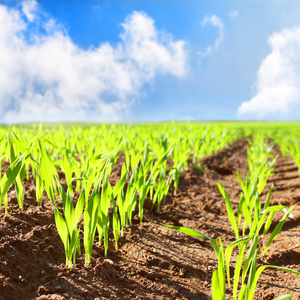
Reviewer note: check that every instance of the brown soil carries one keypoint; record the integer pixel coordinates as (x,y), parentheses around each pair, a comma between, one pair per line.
(154,262)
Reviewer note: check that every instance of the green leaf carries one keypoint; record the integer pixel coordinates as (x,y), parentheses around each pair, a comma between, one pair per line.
(249,256)
(268,223)
(258,273)
(200,169)
(79,206)
(277,229)
(252,274)
(61,227)
(215,286)
(116,227)
(187,231)
(13,172)
(237,270)
(242,292)
(228,252)
(267,203)
(285,297)
(163,159)
(119,186)
(221,267)
(230,212)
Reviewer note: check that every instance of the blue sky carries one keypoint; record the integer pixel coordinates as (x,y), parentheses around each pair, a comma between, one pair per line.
(149,60)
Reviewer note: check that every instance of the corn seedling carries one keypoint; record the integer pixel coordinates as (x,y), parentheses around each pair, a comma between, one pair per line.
(219,279)
(253,216)
(12,173)
(90,222)
(67,224)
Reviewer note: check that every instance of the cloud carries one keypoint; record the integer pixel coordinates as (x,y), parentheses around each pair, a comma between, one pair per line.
(277,84)
(233,14)
(45,76)
(216,22)
(30,9)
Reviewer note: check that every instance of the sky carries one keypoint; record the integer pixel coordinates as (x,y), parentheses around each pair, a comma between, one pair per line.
(149,61)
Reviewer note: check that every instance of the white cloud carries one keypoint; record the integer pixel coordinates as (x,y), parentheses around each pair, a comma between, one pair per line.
(278,78)
(30,9)
(46,77)
(216,22)
(233,14)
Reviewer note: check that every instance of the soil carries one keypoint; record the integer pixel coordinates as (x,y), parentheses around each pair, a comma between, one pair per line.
(153,261)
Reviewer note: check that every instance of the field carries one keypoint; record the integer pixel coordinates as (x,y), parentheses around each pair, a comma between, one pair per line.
(83,208)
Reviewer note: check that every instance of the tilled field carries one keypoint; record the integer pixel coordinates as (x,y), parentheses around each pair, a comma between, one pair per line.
(153,262)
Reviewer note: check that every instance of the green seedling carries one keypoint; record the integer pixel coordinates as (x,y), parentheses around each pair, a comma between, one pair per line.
(90,222)
(219,280)
(67,224)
